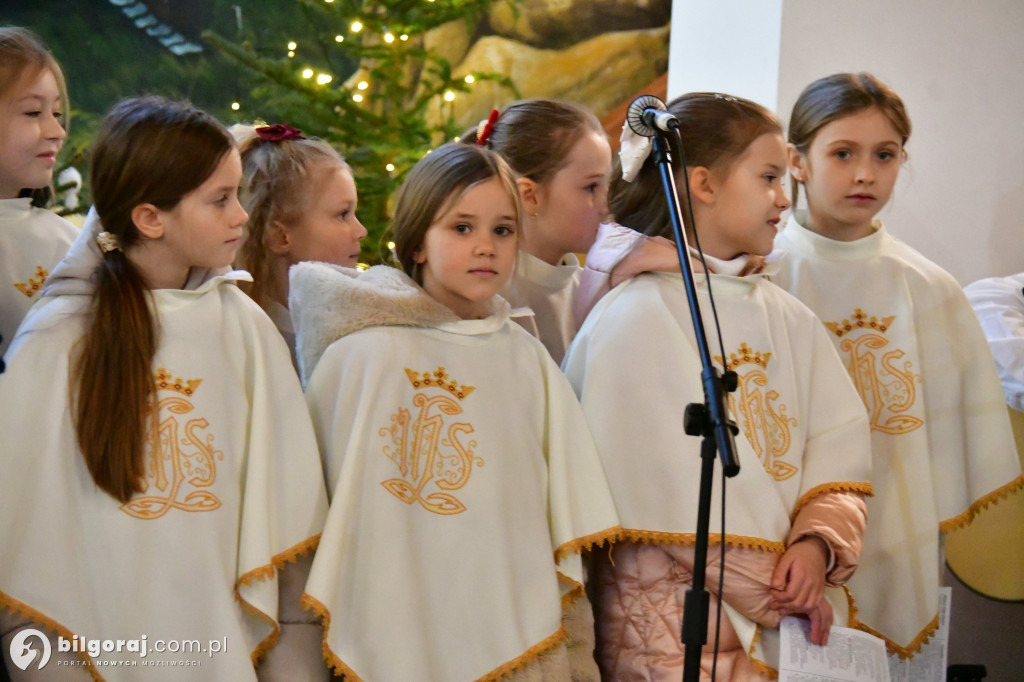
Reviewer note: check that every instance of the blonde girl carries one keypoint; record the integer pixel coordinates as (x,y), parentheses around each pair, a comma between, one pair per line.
(33,103)
(795,513)
(562,157)
(941,442)
(301,199)
(173,469)
(462,477)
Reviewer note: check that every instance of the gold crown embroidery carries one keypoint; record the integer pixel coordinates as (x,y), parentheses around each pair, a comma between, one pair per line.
(165,382)
(860,321)
(747,356)
(432,455)
(180,460)
(34,284)
(761,415)
(440,379)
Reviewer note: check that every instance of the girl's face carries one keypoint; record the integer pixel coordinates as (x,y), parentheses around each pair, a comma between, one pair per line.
(30,134)
(203,230)
(573,203)
(739,212)
(849,173)
(329,230)
(468,252)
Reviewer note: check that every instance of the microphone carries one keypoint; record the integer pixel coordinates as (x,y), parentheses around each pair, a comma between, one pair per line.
(647,115)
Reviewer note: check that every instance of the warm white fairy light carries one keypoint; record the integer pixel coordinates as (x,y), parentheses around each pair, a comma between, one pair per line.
(362,85)
(235,106)
(357,97)
(469,78)
(389,38)
(390,167)
(291,54)
(391,246)
(307,73)
(324,78)
(339,38)
(292,45)
(404,36)
(357,26)
(449,96)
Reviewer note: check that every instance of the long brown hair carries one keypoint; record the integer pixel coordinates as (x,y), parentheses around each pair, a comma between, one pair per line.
(279,179)
(715,130)
(839,95)
(147,150)
(23,57)
(433,185)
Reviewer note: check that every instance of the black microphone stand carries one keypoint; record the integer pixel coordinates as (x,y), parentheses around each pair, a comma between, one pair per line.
(709,419)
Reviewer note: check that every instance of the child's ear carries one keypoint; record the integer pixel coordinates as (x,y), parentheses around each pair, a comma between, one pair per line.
(277,238)
(529,194)
(797,163)
(703,187)
(418,256)
(148,220)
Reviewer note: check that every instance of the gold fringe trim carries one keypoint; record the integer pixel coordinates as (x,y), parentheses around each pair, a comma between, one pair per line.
(574,593)
(715,539)
(862,487)
(760,666)
(608,535)
(534,652)
(961,520)
(12,604)
(906,652)
(528,656)
(265,572)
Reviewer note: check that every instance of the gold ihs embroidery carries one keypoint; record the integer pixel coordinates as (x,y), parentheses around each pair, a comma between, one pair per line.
(425,452)
(886,389)
(176,463)
(33,284)
(760,414)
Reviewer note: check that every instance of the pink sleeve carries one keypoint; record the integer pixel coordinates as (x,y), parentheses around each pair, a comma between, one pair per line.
(839,519)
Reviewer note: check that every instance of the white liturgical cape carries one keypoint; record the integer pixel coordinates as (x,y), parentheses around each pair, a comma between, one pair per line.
(462,476)
(233,486)
(32,241)
(941,440)
(635,366)
(550,292)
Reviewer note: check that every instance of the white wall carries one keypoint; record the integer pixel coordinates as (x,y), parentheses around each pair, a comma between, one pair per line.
(958,66)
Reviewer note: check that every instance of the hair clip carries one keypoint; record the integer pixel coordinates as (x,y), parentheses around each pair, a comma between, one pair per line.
(108,242)
(485,128)
(279,132)
(727,98)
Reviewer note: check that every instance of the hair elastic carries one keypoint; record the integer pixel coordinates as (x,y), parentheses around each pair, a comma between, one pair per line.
(485,128)
(108,242)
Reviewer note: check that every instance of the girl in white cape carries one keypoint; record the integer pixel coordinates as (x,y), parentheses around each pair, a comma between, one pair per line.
(462,476)
(160,469)
(795,513)
(33,102)
(562,160)
(941,440)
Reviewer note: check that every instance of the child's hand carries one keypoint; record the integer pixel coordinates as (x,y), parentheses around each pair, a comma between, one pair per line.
(821,621)
(798,582)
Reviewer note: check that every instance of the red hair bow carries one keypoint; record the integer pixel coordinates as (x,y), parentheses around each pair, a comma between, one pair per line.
(278,132)
(484,130)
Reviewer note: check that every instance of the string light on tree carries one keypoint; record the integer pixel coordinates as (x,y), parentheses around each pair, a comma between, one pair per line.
(307,73)
(357,26)
(339,38)
(235,106)
(292,45)
(390,168)
(449,96)
(362,85)
(404,36)
(357,97)
(469,78)
(291,54)
(324,78)
(389,38)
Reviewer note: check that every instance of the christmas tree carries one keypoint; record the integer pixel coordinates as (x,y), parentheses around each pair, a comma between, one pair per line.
(371,81)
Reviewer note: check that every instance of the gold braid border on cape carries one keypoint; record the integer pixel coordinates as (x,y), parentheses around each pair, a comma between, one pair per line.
(964,518)
(265,572)
(6,601)
(906,652)
(534,652)
(864,488)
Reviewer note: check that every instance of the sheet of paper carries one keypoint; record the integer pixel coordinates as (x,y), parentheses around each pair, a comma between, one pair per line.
(929,664)
(849,656)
